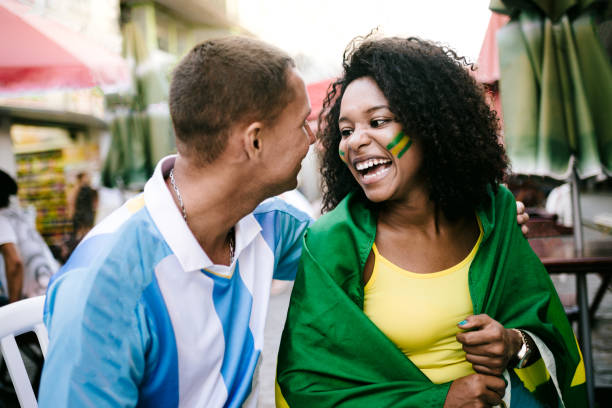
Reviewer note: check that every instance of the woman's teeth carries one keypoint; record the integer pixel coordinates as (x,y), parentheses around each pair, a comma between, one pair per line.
(375,175)
(372,170)
(364,165)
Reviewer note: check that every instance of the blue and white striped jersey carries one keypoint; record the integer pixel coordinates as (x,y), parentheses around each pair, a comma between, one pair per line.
(140,316)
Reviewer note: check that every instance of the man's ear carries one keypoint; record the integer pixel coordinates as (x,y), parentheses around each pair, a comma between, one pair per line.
(253,141)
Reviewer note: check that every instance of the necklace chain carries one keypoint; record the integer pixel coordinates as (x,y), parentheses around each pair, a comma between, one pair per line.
(230,235)
(178,194)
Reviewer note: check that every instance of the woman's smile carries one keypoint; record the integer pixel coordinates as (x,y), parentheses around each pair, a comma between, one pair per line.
(372,170)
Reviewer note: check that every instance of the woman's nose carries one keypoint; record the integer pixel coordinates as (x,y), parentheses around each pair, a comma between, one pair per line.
(357,139)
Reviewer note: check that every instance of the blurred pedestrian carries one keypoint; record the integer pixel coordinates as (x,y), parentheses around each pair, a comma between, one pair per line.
(83,218)
(82,180)
(27,263)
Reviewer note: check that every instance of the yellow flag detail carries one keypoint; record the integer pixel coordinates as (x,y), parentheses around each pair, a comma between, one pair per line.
(136,203)
(533,375)
(579,375)
(278,396)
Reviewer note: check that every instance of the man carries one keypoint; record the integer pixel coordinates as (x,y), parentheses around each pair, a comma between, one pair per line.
(163,303)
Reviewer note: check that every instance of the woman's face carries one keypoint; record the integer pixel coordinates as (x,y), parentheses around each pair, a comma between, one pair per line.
(383,160)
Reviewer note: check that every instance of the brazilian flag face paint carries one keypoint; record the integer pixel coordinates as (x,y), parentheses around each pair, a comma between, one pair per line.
(400,144)
(342,154)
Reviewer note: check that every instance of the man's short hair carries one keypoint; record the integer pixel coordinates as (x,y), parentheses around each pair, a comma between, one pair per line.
(222,83)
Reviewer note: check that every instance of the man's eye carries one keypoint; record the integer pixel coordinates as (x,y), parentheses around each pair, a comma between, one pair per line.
(346,132)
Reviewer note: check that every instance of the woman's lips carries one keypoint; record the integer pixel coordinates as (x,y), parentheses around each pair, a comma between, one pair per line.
(376,174)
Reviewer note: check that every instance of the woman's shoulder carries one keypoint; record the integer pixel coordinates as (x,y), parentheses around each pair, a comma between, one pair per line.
(352,211)
(500,208)
(498,197)
(503,196)
(351,222)
(329,220)
(328,228)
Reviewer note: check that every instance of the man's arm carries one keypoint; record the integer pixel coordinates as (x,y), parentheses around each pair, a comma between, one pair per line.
(289,225)
(14,270)
(97,344)
(289,249)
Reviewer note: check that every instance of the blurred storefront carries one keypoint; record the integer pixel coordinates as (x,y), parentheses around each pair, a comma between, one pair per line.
(49,140)
(114,135)
(52,115)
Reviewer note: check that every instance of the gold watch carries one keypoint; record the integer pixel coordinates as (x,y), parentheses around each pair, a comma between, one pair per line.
(524,352)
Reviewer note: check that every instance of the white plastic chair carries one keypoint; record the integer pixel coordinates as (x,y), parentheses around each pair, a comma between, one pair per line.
(15,319)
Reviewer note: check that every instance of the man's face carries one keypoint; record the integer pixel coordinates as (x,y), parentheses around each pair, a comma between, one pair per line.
(287,139)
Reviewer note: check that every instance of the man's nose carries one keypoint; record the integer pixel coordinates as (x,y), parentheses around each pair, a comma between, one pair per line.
(309,133)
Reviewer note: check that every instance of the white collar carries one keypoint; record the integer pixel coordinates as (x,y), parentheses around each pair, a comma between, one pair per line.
(169,220)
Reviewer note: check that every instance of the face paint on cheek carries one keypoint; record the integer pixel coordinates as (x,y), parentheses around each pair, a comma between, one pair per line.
(342,155)
(400,144)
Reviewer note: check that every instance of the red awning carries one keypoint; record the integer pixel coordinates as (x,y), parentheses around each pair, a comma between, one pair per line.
(38,54)
(488,59)
(317,92)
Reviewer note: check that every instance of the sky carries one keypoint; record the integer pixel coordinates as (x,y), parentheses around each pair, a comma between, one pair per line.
(317,31)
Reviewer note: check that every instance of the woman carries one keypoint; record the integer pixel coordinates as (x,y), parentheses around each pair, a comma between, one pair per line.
(418,288)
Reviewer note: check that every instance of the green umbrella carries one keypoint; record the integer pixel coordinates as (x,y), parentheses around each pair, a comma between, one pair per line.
(552,9)
(556,93)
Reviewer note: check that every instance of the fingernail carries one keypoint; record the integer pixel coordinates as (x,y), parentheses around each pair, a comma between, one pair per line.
(461,323)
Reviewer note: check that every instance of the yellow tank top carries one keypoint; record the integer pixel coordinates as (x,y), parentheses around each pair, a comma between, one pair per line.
(419,313)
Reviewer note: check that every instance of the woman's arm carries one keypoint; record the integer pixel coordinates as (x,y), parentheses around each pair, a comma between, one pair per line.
(475,390)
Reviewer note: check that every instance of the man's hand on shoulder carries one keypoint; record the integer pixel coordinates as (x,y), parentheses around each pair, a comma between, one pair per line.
(522,217)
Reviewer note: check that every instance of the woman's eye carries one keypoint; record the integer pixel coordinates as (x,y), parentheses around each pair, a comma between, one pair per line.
(346,132)
(378,122)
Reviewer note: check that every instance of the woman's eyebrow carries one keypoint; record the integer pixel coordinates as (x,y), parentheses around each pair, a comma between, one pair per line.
(374,108)
(369,110)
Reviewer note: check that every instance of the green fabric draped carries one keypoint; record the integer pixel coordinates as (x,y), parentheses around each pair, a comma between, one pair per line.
(331,353)
(556,88)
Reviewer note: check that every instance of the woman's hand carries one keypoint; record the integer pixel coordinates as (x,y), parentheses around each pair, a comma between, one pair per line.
(487,344)
(475,390)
